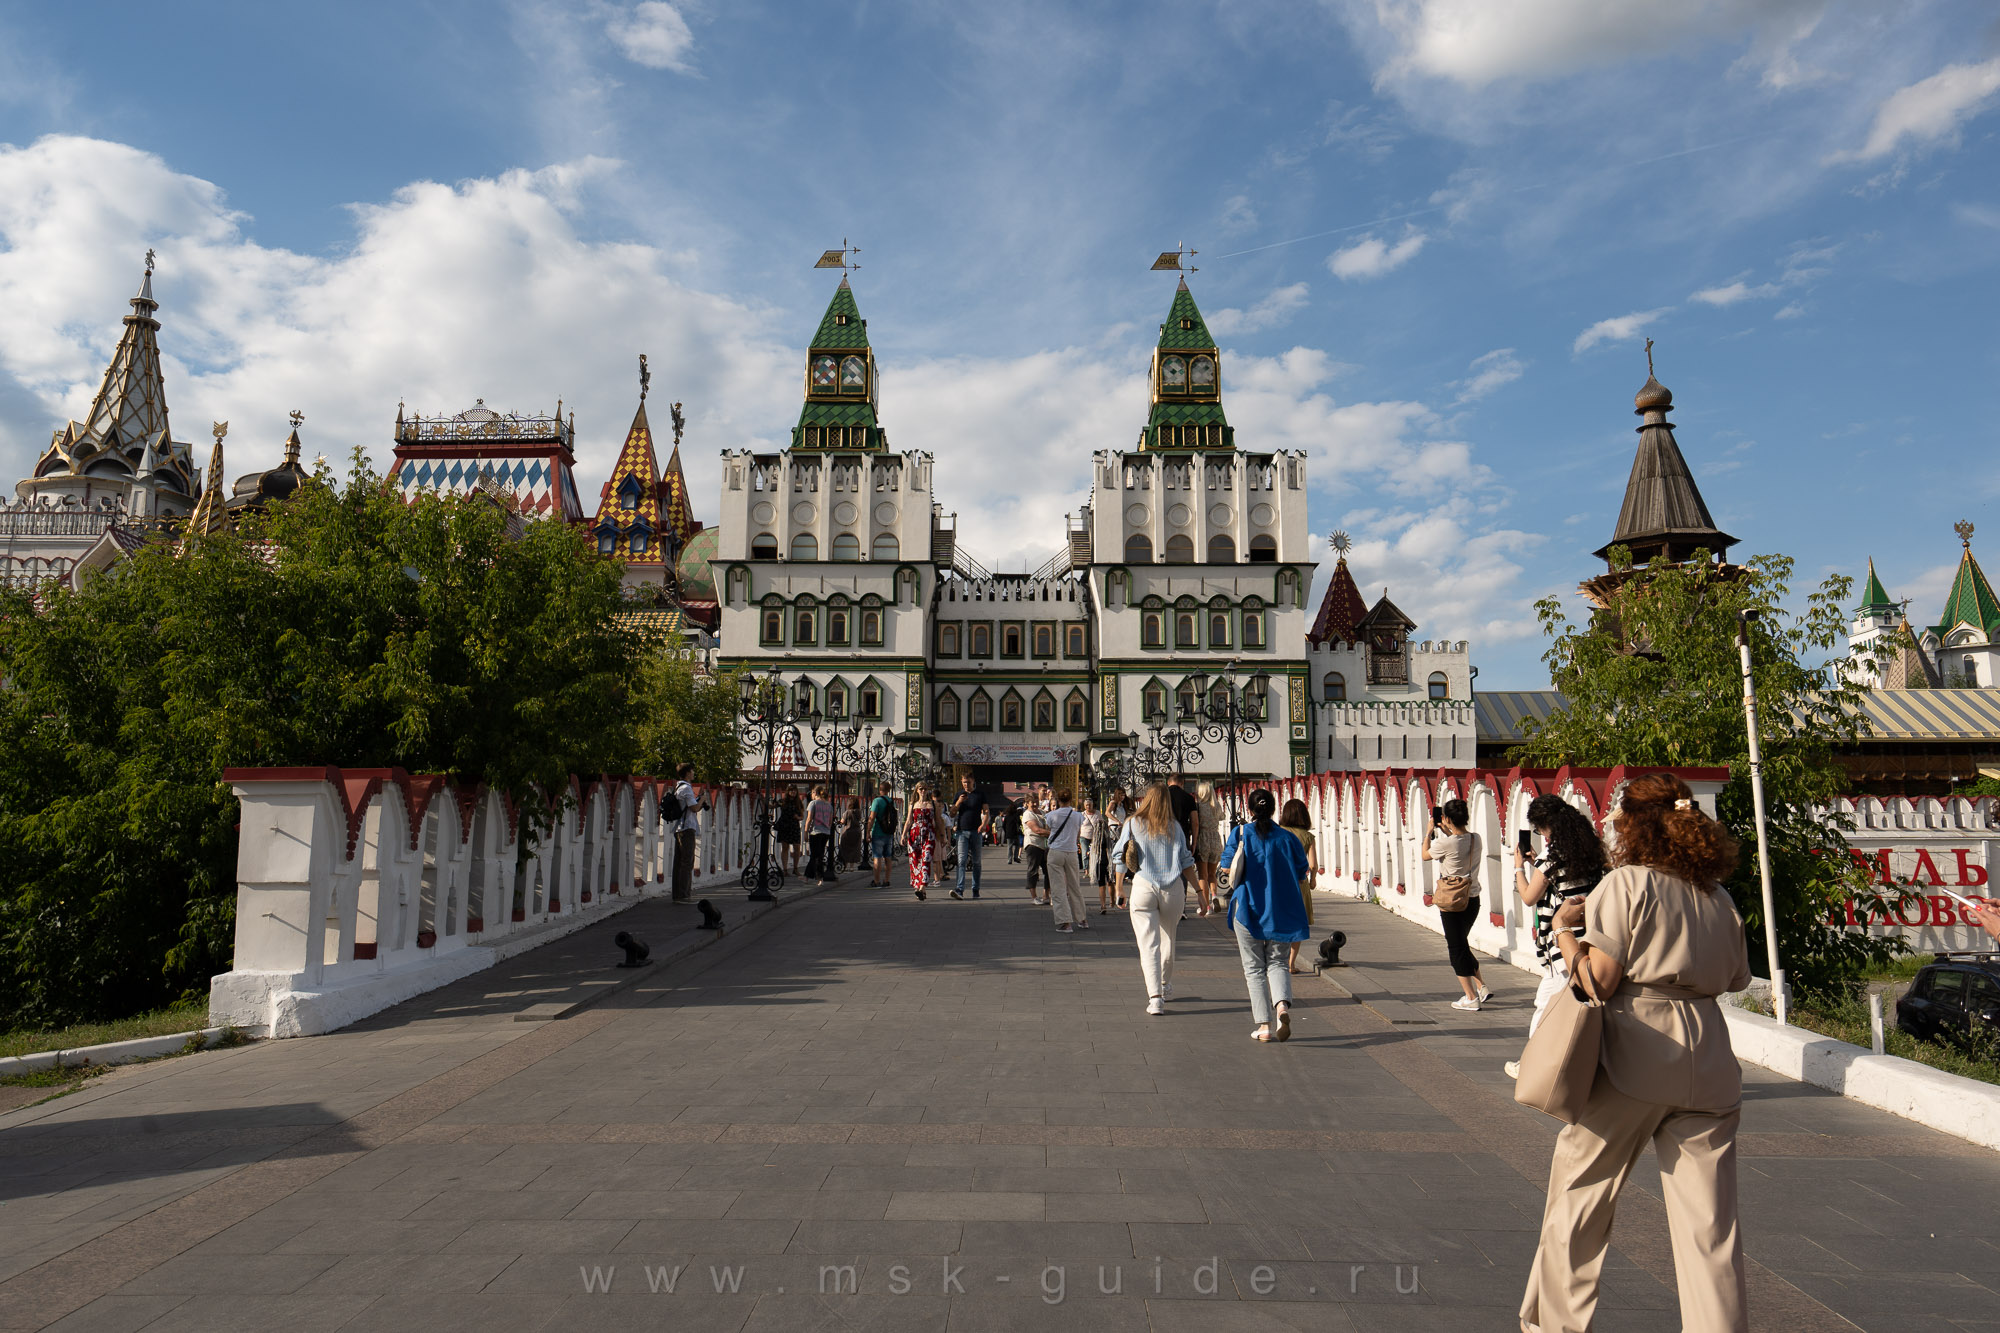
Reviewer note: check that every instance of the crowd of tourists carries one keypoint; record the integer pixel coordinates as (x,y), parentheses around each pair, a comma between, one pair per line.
(1626,1042)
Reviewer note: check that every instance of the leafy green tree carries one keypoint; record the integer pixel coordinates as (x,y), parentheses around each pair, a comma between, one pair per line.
(687,717)
(345,627)
(1655,679)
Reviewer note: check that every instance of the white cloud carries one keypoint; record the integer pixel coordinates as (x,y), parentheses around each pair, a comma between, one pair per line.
(1477,42)
(1360,130)
(1490,372)
(1276,308)
(1928,111)
(1371,257)
(1979,215)
(1730,293)
(1238,214)
(1617,329)
(1791,311)
(652,33)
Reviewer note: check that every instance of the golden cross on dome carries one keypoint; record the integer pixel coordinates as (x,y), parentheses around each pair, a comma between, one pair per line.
(1964,530)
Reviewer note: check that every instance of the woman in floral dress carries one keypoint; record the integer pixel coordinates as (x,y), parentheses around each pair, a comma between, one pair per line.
(920,836)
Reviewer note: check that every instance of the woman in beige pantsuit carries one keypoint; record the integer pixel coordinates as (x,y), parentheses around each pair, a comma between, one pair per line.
(1660,939)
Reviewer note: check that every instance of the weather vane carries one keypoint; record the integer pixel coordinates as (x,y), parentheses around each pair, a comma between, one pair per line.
(645,381)
(1340,542)
(1964,530)
(679,422)
(839,258)
(1171,260)
(298,418)
(149,259)
(1649,360)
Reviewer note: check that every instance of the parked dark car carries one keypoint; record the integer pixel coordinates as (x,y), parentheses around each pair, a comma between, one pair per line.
(1953,999)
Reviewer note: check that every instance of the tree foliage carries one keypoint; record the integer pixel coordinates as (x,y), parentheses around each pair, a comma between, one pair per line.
(344,627)
(1655,679)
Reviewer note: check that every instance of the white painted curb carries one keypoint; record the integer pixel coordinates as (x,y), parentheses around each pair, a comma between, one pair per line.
(109,1053)
(1949,1103)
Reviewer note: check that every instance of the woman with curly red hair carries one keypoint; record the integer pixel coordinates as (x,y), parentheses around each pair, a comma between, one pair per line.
(1657,940)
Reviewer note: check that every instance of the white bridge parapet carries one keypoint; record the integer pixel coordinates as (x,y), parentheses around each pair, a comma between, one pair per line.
(359,888)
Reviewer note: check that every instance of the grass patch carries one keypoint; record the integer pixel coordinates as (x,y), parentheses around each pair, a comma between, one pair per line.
(158,1023)
(1848,1022)
(62,1076)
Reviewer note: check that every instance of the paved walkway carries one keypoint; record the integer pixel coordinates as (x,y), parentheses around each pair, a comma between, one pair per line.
(963,1114)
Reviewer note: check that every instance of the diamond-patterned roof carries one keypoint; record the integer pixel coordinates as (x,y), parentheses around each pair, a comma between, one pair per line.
(1174,337)
(1340,611)
(834,335)
(639,466)
(1874,597)
(1971,601)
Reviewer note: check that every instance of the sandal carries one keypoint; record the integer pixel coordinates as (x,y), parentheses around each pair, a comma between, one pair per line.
(1260,1034)
(1284,1032)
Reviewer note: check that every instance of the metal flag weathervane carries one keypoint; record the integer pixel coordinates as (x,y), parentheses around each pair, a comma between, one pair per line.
(1171,260)
(839,258)
(149,259)
(298,418)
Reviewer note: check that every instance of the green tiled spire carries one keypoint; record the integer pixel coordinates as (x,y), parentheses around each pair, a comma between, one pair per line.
(839,411)
(1875,600)
(1173,336)
(1187,384)
(842,327)
(1971,601)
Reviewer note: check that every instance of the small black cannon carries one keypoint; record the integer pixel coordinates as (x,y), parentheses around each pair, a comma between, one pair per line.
(711,919)
(1330,947)
(636,952)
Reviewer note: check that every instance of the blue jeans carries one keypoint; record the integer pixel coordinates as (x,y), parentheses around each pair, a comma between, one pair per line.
(968,855)
(1266,971)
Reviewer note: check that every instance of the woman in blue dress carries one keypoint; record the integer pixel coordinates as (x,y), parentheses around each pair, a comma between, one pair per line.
(1267,910)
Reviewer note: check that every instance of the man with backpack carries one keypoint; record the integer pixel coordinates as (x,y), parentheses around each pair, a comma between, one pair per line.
(881,837)
(680,809)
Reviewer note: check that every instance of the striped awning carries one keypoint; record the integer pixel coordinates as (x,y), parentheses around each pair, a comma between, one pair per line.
(1893,715)
(1498,714)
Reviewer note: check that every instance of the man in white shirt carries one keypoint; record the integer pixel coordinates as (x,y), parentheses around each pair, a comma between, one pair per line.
(1065,877)
(687,832)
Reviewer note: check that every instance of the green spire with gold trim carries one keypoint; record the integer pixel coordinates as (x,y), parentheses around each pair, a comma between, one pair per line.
(1971,601)
(1875,599)
(840,383)
(1187,384)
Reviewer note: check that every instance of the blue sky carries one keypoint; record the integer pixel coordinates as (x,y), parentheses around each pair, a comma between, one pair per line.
(1433,234)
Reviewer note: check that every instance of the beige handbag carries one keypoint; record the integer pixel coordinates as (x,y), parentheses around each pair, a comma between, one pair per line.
(1560,1063)
(1452,893)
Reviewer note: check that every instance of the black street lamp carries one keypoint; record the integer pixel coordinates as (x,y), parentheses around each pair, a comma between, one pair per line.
(768,716)
(828,748)
(1213,712)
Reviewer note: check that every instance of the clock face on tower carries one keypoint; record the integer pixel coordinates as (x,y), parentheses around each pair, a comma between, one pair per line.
(825,369)
(853,373)
(1173,372)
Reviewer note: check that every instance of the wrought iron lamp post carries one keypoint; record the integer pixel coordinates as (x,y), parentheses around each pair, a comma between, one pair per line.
(768,716)
(828,748)
(1214,713)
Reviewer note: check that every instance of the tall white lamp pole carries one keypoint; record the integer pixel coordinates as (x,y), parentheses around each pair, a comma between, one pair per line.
(1779,1000)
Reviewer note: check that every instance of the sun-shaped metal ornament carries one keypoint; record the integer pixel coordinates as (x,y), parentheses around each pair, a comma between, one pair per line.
(1340,542)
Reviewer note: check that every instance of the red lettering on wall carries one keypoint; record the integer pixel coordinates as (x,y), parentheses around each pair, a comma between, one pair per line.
(1941,910)
(1923,912)
(1924,863)
(1969,875)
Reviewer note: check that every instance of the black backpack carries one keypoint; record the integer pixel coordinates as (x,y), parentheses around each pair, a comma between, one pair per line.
(670,805)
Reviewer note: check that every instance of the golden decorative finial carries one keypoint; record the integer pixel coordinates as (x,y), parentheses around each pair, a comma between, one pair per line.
(149,259)
(1964,530)
(1340,542)
(679,422)
(1650,373)
(220,429)
(298,418)
(645,379)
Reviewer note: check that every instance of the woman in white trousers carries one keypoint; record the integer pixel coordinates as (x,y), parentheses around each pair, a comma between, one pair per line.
(1161,869)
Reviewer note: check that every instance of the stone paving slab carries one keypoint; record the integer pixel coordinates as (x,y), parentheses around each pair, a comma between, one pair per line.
(865,1112)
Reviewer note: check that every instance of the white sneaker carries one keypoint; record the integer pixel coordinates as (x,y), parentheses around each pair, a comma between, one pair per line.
(1466,1003)
(1166,990)
(1513,1068)
(1153,1006)
(1484,994)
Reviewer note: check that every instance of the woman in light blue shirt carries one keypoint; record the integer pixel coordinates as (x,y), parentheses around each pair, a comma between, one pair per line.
(1159,888)
(1267,910)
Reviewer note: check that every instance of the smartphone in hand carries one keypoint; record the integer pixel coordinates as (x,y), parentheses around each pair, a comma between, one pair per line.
(1526,841)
